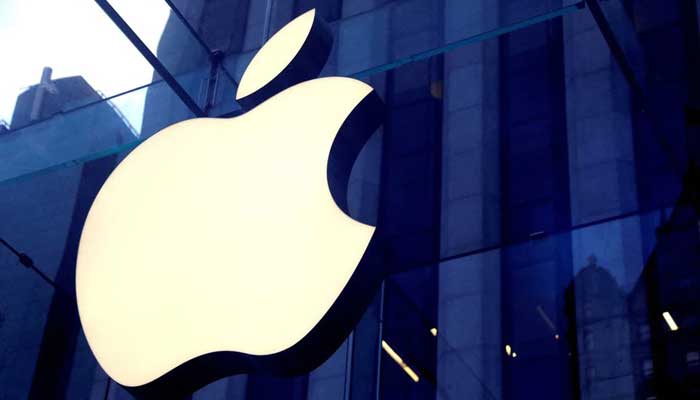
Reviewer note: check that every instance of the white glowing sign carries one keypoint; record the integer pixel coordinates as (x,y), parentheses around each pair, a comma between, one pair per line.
(222,234)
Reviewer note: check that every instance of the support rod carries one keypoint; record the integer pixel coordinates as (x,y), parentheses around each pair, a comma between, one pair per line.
(150,57)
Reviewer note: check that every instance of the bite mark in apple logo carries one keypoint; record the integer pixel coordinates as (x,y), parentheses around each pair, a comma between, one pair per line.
(223,246)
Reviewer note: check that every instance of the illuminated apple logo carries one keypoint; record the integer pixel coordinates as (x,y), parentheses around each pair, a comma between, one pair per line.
(222,246)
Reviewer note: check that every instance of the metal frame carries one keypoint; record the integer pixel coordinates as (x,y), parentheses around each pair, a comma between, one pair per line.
(150,57)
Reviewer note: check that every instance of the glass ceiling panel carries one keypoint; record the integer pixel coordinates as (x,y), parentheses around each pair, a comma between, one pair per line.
(561,95)
(74,39)
(371,37)
(119,66)
(85,133)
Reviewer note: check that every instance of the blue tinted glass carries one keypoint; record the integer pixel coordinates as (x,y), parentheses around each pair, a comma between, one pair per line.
(534,188)
(80,134)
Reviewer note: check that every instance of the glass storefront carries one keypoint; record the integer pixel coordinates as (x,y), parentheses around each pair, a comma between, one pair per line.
(537,178)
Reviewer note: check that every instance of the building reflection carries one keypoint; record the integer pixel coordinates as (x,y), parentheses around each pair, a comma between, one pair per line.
(642,344)
(670,284)
(602,337)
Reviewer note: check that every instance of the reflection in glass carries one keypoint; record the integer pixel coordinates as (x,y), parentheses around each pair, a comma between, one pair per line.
(537,222)
(74,39)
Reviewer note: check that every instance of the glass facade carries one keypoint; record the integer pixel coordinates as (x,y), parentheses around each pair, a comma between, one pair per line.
(537,178)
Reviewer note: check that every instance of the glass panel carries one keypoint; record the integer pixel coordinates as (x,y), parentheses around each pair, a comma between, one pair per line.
(77,42)
(177,47)
(574,315)
(378,35)
(540,239)
(103,126)
(187,58)
(497,324)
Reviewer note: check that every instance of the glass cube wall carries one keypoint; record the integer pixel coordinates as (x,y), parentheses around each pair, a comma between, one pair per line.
(537,177)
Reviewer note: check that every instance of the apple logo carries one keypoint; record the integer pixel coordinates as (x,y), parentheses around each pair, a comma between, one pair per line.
(224,245)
